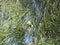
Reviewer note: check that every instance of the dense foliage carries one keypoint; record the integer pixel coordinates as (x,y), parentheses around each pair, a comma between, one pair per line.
(12,23)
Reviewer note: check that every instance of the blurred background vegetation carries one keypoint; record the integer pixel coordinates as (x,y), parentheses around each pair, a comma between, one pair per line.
(45,15)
